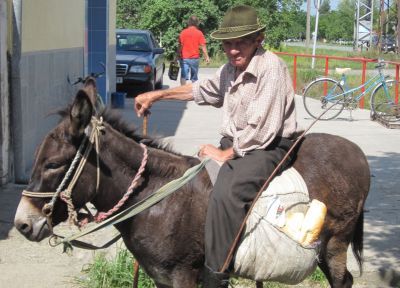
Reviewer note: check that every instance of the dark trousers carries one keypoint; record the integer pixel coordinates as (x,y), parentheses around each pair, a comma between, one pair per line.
(237,185)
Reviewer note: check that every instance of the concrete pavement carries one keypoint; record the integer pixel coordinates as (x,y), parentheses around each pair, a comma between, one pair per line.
(186,125)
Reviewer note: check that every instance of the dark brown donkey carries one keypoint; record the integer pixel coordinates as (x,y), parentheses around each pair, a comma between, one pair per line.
(167,239)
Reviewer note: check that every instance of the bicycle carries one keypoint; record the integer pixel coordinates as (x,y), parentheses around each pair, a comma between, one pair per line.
(327,93)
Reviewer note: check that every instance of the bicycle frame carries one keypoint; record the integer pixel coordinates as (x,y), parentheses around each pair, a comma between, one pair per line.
(368,86)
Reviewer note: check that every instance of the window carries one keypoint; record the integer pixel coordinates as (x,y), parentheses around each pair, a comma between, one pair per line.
(132,42)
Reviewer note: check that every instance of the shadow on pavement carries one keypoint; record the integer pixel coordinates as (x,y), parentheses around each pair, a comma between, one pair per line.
(382,234)
(9,198)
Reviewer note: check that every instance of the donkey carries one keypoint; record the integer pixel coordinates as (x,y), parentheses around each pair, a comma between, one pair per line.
(167,239)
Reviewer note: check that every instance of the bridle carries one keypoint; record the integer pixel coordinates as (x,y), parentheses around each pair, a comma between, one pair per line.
(90,141)
(77,165)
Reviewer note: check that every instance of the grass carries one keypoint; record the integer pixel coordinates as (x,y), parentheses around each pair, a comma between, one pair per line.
(305,74)
(305,63)
(117,272)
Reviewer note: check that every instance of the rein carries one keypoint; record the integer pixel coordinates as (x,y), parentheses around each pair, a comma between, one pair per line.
(129,212)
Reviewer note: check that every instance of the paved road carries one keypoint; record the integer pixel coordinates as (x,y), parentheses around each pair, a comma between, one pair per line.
(321,46)
(187,125)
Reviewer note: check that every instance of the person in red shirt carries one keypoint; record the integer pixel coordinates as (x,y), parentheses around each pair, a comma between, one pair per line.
(190,40)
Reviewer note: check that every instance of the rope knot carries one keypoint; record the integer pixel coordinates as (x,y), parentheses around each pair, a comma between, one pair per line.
(97,124)
(72,214)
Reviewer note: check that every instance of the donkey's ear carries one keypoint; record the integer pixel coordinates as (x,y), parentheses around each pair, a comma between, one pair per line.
(81,113)
(90,88)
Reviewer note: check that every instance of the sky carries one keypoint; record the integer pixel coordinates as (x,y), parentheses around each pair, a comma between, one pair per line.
(334,4)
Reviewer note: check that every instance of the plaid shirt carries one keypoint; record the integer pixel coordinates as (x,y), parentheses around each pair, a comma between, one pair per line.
(257,107)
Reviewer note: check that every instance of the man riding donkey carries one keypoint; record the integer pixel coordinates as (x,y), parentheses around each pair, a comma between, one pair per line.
(256,94)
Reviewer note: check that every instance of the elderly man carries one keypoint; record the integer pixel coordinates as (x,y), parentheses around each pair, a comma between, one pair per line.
(255,92)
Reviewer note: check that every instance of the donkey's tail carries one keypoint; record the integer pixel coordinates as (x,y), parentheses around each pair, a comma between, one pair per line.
(357,242)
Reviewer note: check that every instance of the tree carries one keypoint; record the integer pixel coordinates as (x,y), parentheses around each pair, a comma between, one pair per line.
(339,24)
(335,25)
(127,13)
(166,18)
(325,7)
(298,20)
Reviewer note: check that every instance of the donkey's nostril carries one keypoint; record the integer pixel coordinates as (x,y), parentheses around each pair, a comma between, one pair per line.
(24,228)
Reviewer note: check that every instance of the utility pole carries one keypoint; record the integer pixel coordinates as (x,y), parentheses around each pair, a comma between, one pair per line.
(308,26)
(315,33)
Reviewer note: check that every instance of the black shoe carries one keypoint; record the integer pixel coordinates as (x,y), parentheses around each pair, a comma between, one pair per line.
(213,279)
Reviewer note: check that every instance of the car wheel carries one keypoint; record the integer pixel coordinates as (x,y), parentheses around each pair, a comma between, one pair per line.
(159,84)
(150,86)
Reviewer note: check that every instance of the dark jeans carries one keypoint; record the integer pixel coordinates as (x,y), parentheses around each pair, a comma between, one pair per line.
(237,185)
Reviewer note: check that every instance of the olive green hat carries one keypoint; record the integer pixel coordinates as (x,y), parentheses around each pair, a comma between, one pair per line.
(239,21)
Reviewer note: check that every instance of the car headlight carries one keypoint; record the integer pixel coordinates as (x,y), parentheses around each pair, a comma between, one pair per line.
(140,69)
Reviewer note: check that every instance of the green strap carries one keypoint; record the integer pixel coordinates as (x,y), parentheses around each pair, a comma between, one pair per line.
(83,245)
(138,207)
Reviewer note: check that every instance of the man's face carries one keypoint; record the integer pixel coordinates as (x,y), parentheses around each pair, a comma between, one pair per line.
(240,51)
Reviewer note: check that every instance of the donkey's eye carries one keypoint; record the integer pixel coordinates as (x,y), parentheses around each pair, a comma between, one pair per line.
(52,165)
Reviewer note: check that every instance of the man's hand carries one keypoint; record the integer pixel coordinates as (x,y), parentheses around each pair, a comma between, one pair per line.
(216,154)
(143,103)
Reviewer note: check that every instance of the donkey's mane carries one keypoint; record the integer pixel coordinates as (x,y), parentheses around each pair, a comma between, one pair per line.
(115,119)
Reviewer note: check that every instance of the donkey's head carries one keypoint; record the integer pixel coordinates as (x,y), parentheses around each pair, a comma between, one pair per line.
(39,209)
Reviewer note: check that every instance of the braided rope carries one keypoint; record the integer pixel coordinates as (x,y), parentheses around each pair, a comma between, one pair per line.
(98,127)
(48,207)
(101,216)
(72,214)
(66,194)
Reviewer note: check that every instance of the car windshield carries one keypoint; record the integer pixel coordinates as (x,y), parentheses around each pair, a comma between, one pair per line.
(132,42)
(389,39)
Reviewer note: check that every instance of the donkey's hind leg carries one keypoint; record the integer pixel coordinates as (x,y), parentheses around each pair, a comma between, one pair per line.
(333,262)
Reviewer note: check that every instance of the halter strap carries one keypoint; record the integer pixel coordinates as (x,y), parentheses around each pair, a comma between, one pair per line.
(97,127)
(38,194)
(65,194)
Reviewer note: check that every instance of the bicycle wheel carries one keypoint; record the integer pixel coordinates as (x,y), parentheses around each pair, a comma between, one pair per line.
(319,96)
(383,105)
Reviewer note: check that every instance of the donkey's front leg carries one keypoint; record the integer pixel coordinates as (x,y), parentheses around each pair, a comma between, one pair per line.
(184,278)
